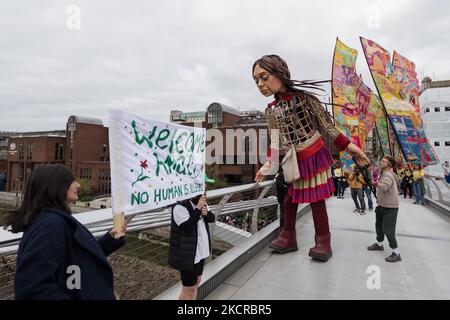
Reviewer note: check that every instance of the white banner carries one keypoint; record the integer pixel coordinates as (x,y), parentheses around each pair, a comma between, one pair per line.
(153,163)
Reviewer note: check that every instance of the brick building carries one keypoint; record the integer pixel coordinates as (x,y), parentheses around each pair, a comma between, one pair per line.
(29,149)
(4,138)
(82,147)
(87,154)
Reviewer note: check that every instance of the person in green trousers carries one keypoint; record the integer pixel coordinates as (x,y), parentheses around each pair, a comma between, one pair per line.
(387,210)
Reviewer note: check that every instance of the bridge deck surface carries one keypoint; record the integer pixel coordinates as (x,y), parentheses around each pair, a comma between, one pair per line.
(423,237)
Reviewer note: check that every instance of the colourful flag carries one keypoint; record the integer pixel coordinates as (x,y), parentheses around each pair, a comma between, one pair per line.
(354,105)
(382,131)
(398,88)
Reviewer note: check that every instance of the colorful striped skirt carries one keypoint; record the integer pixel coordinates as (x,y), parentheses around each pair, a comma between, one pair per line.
(316,181)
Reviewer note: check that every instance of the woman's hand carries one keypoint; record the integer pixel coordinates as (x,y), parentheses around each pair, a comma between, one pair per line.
(263,172)
(202,206)
(115,231)
(358,154)
(201,203)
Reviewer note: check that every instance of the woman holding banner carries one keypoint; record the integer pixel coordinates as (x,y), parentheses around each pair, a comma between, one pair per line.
(58,258)
(297,115)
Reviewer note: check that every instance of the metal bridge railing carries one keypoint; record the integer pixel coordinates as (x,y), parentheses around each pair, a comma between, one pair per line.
(437,189)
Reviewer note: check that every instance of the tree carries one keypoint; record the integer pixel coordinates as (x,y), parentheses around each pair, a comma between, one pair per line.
(85,190)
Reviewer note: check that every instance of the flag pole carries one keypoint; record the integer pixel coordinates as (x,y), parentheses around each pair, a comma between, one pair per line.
(116,187)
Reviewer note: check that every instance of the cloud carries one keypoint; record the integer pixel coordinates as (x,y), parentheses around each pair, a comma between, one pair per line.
(150,57)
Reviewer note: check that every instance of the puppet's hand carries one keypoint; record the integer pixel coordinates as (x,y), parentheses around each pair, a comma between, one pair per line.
(358,154)
(263,172)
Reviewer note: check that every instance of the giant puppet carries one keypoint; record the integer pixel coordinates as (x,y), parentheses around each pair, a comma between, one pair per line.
(296,115)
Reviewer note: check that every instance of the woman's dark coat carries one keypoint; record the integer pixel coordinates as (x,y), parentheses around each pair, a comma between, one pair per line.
(58,258)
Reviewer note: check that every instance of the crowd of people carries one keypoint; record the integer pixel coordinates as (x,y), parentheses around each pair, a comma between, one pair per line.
(412,182)
(361,181)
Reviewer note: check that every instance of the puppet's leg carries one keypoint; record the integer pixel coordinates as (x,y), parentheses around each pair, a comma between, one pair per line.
(322,249)
(287,239)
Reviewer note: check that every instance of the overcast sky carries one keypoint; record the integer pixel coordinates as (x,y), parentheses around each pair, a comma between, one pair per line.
(150,57)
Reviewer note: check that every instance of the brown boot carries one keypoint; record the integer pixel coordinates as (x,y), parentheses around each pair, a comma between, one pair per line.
(286,242)
(322,251)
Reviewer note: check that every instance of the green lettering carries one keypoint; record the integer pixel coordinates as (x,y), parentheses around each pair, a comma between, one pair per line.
(177,142)
(180,166)
(135,198)
(168,163)
(178,191)
(170,193)
(189,164)
(191,148)
(197,142)
(143,139)
(157,195)
(159,163)
(172,140)
(144,197)
(203,144)
(163,134)
(139,198)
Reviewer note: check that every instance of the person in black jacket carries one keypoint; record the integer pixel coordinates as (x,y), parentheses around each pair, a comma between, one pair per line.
(58,258)
(190,242)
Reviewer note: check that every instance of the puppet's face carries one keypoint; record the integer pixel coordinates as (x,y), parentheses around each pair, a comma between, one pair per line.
(267,84)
